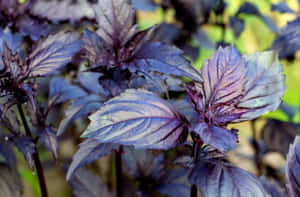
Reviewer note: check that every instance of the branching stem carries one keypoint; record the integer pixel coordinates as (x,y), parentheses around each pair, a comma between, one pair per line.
(35,155)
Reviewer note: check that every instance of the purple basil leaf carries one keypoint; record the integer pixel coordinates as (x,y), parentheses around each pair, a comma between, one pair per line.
(174,183)
(50,141)
(218,137)
(53,53)
(272,187)
(219,179)
(90,81)
(13,41)
(163,58)
(94,50)
(224,77)
(145,5)
(56,10)
(33,27)
(84,183)
(142,162)
(248,8)
(62,90)
(185,107)
(278,135)
(80,108)
(26,147)
(282,7)
(238,25)
(89,151)
(8,154)
(292,168)
(174,190)
(287,42)
(166,33)
(139,118)
(238,88)
(115,19)
(264,87)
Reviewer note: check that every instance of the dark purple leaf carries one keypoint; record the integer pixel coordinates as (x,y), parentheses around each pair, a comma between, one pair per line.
(94,50)
(8,154)
(174,183)
(287,42)
(218,137)
(50,141)
(33,27)
(115,17)
(282,7)
(163,58)
(145,5)
(193,51)
(272,187)
(219,179)
(53,53)
(90,81)
(139,118)
(237,25)
(26,147)
(80,108)
(248,8)
(13,8)
(166,33)
(142,163)
(174,190)
(89,151)
(56,10)
(278,135)
(292,168)
(185,107)
(84,183)
(62,90)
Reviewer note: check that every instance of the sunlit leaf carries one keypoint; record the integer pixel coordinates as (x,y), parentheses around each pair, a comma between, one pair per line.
(139,118)
(53,53)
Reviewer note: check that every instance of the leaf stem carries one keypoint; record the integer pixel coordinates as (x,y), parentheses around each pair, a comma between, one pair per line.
(35,155)
(258,161)
(119,176)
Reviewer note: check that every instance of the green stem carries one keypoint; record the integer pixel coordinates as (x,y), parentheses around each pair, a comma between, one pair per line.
(35,155)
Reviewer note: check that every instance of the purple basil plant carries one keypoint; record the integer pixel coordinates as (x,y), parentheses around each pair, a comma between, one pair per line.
(139,92)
